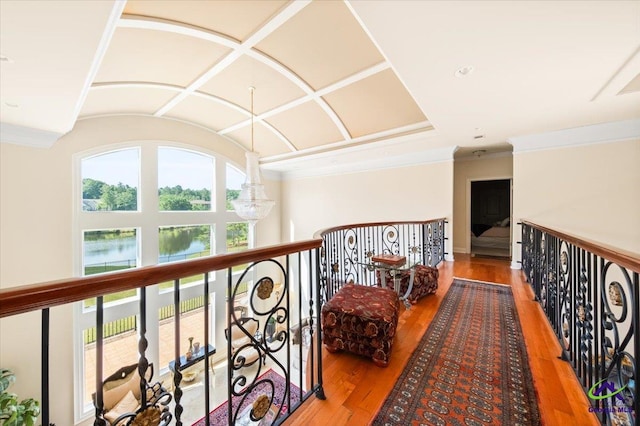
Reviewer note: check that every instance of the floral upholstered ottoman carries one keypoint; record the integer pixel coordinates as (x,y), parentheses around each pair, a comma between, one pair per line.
(425,281)
(362,320)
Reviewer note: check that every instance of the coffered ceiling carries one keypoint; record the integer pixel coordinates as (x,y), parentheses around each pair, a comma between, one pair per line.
(319,79)
(331,78)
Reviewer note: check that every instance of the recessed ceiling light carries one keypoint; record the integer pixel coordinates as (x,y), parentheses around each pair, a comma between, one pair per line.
(463,71)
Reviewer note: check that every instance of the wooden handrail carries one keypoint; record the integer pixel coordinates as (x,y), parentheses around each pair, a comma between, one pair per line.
(323,232)
(17,300)
(623,258)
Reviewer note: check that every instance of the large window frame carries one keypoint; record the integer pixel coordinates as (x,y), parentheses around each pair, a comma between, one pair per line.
(147,220)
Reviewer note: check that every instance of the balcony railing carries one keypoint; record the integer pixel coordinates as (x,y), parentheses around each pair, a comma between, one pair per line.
(347,250)
(283,287)
(590,295)
(282,293)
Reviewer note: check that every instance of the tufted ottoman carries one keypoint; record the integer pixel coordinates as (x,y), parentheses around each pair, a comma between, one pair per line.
(425,281)
(362,320)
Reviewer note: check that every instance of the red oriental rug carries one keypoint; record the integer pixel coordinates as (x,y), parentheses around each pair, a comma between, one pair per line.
(470,367)
(271,384)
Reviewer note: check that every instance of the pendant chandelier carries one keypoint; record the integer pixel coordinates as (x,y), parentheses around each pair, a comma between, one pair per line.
(252,204)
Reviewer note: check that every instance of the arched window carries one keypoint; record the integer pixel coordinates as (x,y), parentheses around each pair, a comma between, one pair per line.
(145,204)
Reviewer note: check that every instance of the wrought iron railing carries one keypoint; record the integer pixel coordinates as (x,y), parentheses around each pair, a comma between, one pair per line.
(590,295)
(277,309)
(286,284)
(347,250)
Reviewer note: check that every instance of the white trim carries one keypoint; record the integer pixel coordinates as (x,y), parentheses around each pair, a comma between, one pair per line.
(281,18)
(27,136)
(586,135)
(492,155)
(354,78)
(621,78)
(180,120)
(199,82)
(159,24)
(223,102)
(515,264)
(135,84)
(107,35)
(385,137)
(279,135)
(313,167)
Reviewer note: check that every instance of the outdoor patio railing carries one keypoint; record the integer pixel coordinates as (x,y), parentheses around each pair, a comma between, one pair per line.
(590,295)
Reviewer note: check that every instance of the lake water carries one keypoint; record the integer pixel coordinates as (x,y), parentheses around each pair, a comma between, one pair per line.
(175,244)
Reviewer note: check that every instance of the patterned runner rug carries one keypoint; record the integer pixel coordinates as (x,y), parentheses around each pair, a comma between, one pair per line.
(470,368)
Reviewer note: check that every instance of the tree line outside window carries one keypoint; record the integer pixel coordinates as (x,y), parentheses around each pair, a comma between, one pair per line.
(101,196)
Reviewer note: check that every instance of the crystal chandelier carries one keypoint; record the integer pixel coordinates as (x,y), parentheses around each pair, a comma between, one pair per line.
(252,204)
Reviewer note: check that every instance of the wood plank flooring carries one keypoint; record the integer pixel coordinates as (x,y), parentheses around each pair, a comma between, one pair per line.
(356,388)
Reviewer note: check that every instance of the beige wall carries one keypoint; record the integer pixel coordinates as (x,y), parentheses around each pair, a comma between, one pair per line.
(591,191)
(410,193)
(468,170)
(35,200)
(36,220)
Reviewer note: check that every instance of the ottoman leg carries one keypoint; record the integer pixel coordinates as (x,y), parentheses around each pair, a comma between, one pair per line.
(332,349)
(380,363)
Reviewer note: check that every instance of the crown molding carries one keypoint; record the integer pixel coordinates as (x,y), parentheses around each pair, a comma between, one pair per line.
(27,136)
(346,164)
(366,156)
(490,155)
(616,131)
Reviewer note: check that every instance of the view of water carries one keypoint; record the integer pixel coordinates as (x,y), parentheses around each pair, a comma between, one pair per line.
(110,251)
(175,244)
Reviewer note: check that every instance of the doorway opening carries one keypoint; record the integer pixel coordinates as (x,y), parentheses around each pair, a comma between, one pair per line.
(491,218)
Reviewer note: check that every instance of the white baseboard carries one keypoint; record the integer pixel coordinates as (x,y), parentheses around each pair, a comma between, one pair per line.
(515,264)
(448,257)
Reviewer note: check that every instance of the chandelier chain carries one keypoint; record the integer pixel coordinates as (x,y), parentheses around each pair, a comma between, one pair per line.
(251,89)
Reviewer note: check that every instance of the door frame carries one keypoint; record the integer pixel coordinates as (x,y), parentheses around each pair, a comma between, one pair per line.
(468,209)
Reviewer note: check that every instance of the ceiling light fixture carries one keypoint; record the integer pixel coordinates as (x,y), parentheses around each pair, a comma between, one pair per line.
(252,204)
(463,71)
(479,152)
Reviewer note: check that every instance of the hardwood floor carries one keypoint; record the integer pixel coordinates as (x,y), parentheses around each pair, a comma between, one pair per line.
(356,388)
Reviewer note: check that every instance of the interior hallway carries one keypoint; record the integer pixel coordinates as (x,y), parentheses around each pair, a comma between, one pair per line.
(356,388)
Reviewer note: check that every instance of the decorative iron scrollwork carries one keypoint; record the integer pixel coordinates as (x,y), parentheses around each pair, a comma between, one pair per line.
(596,318)
(265,288)
(263,344)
